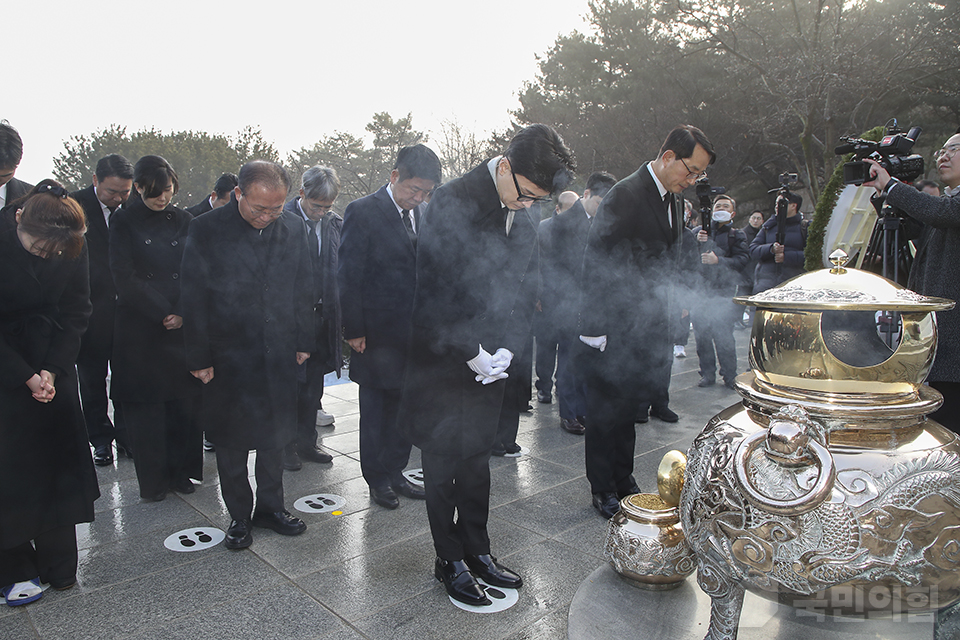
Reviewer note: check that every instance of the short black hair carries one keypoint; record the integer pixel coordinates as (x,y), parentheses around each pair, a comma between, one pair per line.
(538,153)
(153,174)
(600,182)
(11,146)
(419,161)
(114,165)
(683,140)
(923,184)
(269,174)
(796,199)
(225,184)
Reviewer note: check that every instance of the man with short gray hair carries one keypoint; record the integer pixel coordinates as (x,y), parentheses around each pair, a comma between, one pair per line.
(319,187)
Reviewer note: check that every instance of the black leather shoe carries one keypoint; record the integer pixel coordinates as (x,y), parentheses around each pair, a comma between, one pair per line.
(706,382)
(291,461)
(643,414)
(544,397)
(280,521)
(385,497)
(103,455)
(628,491)
(664,413)
(492,572)
(607,504)
(730,384)
(460,583)
(572,425)
(238,535)
(314,454)
(406,488)
(184,486)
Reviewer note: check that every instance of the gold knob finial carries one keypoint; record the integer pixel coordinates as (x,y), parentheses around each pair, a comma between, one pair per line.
(670,477)
(838,258)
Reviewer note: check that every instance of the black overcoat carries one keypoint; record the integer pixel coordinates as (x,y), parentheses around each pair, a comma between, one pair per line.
(47,479)
(146,247)
(378,278)
(97,342)
(561,257)
(476,285)
(634,267)
(247,311)
(326,294)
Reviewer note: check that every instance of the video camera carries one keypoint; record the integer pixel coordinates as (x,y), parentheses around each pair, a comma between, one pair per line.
(705,194)
(892,153)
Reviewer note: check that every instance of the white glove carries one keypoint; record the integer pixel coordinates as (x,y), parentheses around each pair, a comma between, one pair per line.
(598,342)
(502,358)
(489,379)
(484,364)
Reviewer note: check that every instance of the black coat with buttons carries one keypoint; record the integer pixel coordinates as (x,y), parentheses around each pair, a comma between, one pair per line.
(146,247)
(247,311)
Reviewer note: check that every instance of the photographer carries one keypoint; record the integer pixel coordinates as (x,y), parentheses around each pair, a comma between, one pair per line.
(934,267)
(778,262)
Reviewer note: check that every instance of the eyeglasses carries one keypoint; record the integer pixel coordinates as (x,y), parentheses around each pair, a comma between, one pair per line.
(700,176)
(947,152)
(522,197)
(417,191)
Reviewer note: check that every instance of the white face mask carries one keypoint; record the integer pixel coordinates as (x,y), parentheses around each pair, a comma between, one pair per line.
(722,216)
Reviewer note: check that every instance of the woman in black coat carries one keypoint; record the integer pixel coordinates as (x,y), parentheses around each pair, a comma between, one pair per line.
(150,378)
(47,479)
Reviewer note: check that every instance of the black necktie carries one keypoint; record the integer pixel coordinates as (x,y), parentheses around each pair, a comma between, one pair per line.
(408,223)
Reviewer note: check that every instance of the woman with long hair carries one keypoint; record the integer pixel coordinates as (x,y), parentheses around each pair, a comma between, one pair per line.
(47,480)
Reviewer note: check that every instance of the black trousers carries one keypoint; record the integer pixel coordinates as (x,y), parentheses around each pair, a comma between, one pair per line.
(167,443)
(571,390)
(713,330)
(309,393)
(610,437)
(52,556)
(384,452)
(458,503)
(235,485)
(546,362)
(949,412)
(93,397)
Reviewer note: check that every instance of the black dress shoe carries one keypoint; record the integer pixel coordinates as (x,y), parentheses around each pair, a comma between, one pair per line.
(492,572)
(460,583)
(572,425)
(643,414)
(730,384)
(238,535)
(315,454)
(157,497)
(544,397)
(607,504)
(291,461)
(103,455)
(184,486)
(385,497)
(406,488)
(664,413)
(280,521)
(706,382)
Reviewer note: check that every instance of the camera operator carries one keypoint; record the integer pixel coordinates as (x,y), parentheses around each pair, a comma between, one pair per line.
(788,255)
(935,266)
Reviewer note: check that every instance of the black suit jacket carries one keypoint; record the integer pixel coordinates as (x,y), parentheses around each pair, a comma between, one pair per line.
(476,285)
(562,242)
(247,311)
(201,207)
(326,292)
(97,342)
(17,189)
(377,277)
(633,267)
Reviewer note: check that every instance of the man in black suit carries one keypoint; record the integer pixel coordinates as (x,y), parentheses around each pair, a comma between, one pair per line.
(632,263)
(561,258)
(476,291)
(247,300)
(11,152)
(314,206)
(220,195)
(111,186)
(378,259)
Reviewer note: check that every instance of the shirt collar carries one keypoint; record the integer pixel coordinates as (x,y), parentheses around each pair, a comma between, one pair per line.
(492,167)
(392,199)
(656,180)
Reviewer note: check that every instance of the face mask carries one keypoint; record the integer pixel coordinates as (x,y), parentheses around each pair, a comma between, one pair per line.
(722,216)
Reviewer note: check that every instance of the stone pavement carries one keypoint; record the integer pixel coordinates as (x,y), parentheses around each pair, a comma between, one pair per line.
(366,573)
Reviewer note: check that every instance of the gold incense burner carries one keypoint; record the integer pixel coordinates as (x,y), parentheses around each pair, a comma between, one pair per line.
(828,488)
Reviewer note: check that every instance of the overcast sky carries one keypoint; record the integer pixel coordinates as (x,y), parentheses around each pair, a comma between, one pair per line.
(298,70)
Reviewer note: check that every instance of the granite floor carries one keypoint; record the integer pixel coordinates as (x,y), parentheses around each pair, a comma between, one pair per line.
(361,572)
